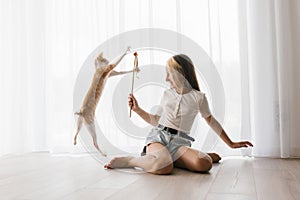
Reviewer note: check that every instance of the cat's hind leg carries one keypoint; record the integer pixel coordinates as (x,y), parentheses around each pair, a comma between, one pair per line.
(92,130)
(79,125)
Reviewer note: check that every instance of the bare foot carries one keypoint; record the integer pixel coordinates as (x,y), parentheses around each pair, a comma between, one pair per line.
(119,162)
(215,157)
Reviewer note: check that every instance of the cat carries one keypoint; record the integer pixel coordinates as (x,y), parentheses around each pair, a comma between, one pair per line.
(104,70)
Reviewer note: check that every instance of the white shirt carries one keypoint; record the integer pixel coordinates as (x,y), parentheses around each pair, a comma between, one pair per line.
(178,111)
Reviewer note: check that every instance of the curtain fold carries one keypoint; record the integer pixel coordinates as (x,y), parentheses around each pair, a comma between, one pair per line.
(22,76)
(266,53)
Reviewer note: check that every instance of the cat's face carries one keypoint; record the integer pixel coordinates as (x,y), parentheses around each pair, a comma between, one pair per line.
(101,61)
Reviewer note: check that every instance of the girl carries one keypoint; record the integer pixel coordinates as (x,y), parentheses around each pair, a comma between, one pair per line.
(168,144)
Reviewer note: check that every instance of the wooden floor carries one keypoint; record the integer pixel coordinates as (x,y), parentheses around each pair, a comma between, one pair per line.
(45,176)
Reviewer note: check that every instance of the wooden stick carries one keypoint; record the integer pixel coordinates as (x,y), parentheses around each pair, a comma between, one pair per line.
(135,65)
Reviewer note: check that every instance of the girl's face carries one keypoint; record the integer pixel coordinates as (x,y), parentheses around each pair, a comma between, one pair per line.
(170,79)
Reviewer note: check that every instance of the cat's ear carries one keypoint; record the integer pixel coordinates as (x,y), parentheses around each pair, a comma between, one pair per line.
(101,55)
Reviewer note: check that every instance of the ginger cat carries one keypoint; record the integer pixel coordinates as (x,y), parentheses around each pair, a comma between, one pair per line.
(104,70)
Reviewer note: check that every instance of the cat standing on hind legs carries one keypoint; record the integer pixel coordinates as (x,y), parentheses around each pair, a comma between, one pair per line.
(104,70)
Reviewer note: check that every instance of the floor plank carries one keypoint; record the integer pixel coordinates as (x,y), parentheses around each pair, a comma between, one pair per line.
(277,178)
(235,177)
(46,176)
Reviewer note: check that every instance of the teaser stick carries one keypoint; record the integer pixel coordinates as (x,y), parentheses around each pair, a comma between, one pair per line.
(135,65)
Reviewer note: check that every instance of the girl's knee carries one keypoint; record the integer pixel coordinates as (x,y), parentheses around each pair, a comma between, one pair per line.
(160,169)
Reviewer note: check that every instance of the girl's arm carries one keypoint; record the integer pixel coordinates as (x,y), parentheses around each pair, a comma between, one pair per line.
(149,118)
(215,125)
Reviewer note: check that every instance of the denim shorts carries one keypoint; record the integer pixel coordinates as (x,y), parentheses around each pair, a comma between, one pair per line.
(170,141)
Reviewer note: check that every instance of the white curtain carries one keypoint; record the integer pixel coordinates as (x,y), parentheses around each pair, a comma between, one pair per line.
(252,43)
(270,69)
(23,89)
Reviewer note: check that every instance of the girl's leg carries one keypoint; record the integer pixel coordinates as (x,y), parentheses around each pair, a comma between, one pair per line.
(156,161)
(193,159)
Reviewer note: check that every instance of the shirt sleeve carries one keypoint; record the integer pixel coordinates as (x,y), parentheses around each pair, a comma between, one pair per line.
(204,107)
